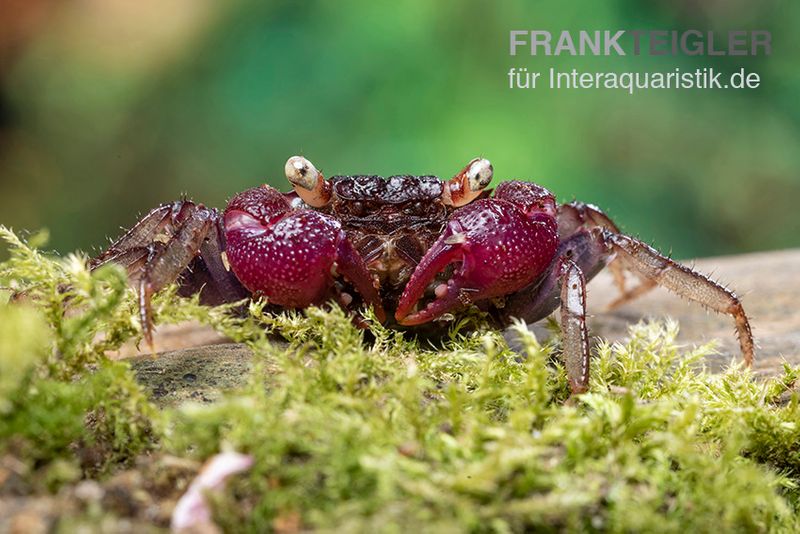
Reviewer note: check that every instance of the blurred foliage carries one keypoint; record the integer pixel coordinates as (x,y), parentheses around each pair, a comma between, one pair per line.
(109,107)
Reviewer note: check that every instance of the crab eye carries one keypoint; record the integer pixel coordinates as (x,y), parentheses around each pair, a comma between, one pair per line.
(467,185)
(308,182)
(301,172)
(479,174)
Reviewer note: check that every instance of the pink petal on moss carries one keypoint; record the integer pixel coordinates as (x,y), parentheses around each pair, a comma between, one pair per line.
(192,510)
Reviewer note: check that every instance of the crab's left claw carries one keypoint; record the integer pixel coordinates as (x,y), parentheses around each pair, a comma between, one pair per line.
(496,249)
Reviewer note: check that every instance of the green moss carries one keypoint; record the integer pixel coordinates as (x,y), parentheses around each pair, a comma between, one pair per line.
(390,433)
(62,400)
(23,343)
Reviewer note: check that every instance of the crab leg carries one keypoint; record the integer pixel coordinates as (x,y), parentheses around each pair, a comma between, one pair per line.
(574,216)
(156,250)
(179,240)
(574,336)
(129,248)
(627,295)
(539,300)
(133,260)
(618,275)
(165,264)
(649,263)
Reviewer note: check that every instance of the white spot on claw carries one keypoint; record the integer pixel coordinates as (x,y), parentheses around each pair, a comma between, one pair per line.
(456,239)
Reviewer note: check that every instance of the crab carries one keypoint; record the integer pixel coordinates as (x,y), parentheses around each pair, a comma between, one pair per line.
(418,250)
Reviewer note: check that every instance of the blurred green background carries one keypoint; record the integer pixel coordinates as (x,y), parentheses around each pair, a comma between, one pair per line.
(109,107)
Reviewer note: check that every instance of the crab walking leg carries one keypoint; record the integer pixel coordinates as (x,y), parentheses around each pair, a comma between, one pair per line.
(575,338)
(627,295)
(618,274)
(134,243)
(646,261)
(574,216)
(132,260)
(166,263)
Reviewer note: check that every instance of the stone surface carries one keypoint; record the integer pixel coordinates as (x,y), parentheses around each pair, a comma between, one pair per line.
(171,337)
(199,374)
(767,282)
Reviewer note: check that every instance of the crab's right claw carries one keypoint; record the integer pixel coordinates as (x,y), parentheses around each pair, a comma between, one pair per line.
(293,257)
(496,249)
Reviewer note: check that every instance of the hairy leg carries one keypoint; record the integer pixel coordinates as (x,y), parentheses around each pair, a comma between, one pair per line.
(660,270)
(579,257)
(157,226)
(627,295)
(575,215)
(588,240)
(165,263)
(176,242)
(653,269)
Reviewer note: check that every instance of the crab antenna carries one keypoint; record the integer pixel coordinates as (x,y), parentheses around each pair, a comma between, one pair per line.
(308,182)
(468,184)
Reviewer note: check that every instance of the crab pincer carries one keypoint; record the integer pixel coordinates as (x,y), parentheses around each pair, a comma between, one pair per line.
(496,247)
(293,257)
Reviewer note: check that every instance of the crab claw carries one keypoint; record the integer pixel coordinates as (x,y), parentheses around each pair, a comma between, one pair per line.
(292,257)
(497,249)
